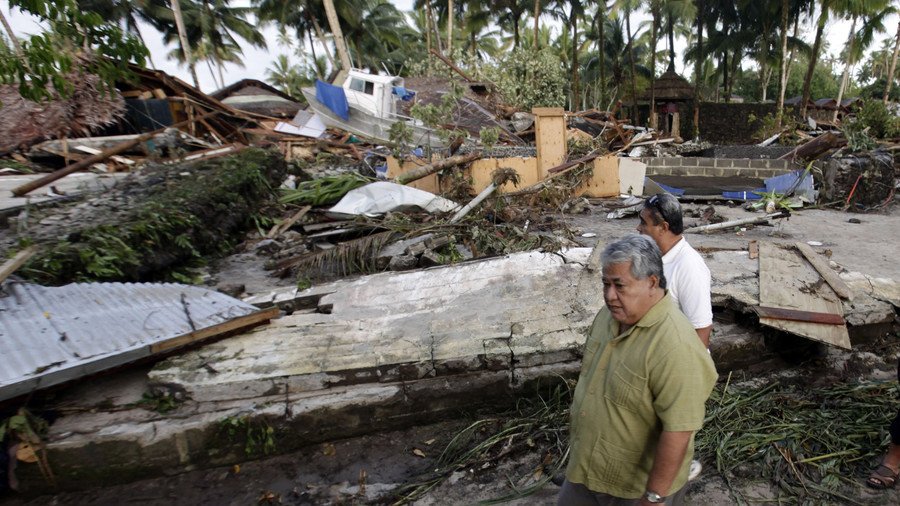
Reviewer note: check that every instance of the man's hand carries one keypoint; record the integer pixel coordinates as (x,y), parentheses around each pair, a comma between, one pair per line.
(704,334)
(670,453)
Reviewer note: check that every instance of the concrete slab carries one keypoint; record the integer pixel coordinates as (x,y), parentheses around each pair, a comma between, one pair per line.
(72,184)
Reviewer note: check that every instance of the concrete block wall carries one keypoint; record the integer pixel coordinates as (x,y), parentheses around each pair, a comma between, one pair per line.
(719,167)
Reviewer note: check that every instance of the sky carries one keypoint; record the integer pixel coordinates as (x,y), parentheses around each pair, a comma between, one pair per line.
(256,61)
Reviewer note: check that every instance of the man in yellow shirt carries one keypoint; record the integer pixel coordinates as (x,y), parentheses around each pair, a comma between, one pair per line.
(641,395)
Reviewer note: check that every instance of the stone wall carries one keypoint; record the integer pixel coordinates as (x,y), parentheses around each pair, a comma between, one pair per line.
(722,123)
(719,167)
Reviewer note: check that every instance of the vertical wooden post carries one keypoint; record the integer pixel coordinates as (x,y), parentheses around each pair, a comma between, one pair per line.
(550,138)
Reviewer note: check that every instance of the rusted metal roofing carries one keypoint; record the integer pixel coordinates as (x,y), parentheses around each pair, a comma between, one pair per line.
(49,335)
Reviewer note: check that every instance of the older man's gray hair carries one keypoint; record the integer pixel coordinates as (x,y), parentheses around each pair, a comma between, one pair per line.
(641,251)
(664,207)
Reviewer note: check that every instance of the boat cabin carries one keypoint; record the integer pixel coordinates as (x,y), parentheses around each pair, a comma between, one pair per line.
(373,93)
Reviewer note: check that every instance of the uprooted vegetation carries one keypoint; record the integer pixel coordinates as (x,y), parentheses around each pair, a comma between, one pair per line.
(160,225)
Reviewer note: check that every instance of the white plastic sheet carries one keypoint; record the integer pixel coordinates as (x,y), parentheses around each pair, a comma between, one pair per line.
(378,198)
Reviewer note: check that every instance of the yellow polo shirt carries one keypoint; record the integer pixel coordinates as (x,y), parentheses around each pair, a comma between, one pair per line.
(654,377)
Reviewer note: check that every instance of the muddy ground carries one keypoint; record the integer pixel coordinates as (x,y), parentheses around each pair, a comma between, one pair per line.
(371,469)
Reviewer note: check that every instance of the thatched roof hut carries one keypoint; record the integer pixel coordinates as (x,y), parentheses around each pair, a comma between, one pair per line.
(670,87)
(88,108)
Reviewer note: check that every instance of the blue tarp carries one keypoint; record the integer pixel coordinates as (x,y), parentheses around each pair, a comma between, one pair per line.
(403,93)
(744,195)
(334,98)
(782,184)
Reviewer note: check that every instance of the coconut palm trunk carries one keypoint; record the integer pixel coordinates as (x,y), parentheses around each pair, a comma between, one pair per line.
(846,77)
(537,17)
(182,36)
(782,74)
(450,29)
(813,59)
(698,66)
(890,75)
(335,26)
(654,12)
(634,108)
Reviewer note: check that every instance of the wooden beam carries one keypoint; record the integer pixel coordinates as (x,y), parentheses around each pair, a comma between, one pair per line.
(87,162)
(241,323)
(283,226)
(830,277)
(796,315)
(10,266)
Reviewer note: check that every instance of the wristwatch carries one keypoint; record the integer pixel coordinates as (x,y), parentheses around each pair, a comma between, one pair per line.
(653,497)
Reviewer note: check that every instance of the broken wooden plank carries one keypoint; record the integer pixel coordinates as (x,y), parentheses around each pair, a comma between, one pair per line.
(778,313)
(830,277)
(94,151)
(814,148)
(87,162)
(18,260)
(283,226)
(787,281)
(240,323)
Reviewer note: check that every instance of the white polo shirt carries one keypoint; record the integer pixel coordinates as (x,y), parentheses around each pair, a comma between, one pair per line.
(688,282)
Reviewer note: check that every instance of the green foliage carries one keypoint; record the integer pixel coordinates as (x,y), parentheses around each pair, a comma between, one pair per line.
(23,426)
(171,230)
(858,138)
(875,116)
(401,136)
(528,79)
(162,403)
(489,136)
(76,39)
(257,436)
(323,190)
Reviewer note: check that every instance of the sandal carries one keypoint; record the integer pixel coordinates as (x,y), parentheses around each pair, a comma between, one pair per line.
(880,480)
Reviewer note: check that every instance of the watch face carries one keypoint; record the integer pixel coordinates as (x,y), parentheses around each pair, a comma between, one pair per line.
(654,497)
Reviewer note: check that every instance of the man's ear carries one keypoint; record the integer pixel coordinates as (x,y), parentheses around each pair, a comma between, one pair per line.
(654,281)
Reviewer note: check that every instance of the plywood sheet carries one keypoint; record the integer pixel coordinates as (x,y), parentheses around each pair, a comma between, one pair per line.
(631,176)
(428,183)
(787,280)
(550,137)
(605,180)
(481,171)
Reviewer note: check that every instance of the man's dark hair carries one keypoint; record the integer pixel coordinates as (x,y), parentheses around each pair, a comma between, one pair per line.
(664,207)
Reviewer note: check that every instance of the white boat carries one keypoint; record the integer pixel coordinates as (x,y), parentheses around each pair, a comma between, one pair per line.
(370,105)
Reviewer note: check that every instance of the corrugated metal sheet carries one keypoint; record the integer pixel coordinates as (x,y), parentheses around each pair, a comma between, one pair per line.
(49,335)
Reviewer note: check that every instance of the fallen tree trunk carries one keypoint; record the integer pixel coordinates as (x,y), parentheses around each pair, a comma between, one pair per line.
(431,168)
(815,147)
(736,223)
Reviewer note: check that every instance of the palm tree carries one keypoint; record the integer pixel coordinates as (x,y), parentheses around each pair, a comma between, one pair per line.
(625,8)
(185,45)
(335,25)
(511,12)
(570,18)
(825,6)
(893,67)
(12,36)
(211,28)
(872,13)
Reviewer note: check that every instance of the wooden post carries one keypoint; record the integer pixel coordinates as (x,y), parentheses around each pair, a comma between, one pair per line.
(550,138)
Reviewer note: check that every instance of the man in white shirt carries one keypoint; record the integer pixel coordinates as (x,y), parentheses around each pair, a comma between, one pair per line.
(687,275)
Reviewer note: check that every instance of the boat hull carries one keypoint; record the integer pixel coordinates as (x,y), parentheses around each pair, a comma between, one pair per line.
(369,126)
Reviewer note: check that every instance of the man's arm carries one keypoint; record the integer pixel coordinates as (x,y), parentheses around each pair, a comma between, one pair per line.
(669,456)
(704,334)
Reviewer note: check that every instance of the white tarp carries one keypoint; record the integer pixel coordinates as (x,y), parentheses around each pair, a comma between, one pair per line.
(304,123)
(378,198)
